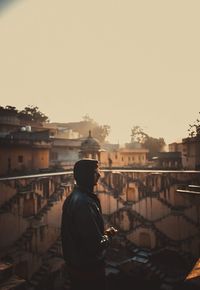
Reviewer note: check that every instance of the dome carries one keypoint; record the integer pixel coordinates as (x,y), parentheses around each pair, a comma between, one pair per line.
(90,144)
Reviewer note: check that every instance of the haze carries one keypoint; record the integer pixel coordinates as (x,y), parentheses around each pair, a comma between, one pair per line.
(123,63)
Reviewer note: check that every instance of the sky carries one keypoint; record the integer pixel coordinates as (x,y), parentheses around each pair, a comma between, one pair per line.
(122,62)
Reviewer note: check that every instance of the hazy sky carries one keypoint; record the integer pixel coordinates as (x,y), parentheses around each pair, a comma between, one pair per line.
(125,63)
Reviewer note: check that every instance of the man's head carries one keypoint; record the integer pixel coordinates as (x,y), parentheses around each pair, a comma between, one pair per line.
(86,172)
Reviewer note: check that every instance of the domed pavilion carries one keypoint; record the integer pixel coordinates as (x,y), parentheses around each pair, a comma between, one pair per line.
(90,148)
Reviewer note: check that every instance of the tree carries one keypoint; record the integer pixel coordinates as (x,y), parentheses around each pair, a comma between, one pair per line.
(138,135)
(154,145)
(33,114)
(194,129)
(8,110)
(101,132)
(29,113)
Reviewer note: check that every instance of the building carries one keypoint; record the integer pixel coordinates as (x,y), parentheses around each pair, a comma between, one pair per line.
(175,147)
(117,157)
(191,153)
(64,152)
(10,122)
(189,150)
(60,131)
(168,160)
(24,151)
(65,147)
(124,157)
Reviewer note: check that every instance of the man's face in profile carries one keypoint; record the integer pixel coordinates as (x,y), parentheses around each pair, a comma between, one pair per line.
(86,173)
(96,175)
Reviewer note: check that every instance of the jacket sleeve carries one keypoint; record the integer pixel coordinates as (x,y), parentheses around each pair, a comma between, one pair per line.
(89,233)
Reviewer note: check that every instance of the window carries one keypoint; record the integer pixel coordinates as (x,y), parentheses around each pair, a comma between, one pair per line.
(20,158)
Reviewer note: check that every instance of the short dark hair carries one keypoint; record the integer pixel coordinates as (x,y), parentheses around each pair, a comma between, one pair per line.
(83,170)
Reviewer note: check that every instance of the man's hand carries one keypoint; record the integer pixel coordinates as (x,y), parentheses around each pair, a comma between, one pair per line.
(110,232)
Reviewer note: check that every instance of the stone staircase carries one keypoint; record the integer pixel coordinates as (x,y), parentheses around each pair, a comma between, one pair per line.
(43,272)
(8,279)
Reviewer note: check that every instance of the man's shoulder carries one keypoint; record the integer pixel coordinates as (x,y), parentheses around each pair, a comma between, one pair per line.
(76,197)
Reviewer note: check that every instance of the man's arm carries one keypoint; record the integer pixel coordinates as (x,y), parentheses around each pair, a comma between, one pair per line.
(89,233)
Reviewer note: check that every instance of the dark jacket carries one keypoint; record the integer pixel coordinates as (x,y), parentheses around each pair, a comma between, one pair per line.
(82,230)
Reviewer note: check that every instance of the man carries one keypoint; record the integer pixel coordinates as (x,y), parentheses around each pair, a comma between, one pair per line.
(83,237)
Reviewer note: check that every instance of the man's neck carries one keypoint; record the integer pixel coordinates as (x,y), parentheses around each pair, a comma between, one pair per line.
(86,189)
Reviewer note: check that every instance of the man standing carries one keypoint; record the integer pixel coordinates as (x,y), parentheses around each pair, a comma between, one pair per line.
(84,239)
